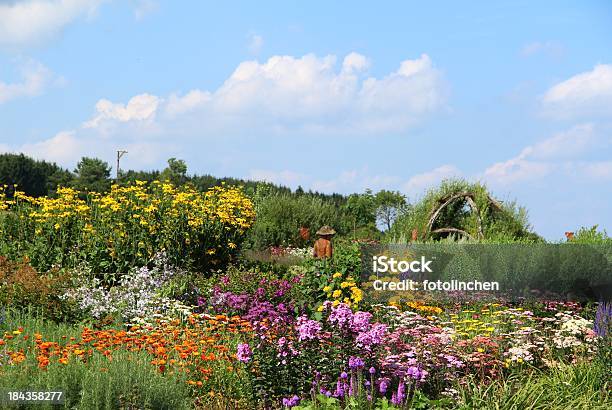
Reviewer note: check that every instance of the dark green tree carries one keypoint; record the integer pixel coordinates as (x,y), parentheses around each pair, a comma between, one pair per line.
(362,207)
(175,172)
(35,178)
(92,174)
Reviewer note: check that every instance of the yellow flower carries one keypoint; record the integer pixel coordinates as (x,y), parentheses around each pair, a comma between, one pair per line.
(337,293)
(337,275)
(326,289)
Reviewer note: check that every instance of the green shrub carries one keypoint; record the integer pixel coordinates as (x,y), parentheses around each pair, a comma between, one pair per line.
(280,216)
(21,287)
(493,221)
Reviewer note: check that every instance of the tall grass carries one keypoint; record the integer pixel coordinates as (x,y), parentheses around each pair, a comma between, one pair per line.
(579,386)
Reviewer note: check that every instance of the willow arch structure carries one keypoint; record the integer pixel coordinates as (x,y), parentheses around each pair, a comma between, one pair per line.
(470,199)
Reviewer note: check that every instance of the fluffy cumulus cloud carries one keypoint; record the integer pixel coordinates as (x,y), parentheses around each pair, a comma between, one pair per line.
(308,94)
(67,147)
(586,94)
(63,148)
(141,107)
(419,183)
(283,96)
(34,78)
(27,22)
(564,153)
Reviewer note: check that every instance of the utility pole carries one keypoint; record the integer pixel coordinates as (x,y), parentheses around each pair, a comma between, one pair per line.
(120,153)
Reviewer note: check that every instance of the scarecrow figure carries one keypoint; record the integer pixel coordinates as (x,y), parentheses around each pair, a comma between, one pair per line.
(323,246)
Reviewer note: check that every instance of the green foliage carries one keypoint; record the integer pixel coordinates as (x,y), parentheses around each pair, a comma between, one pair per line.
(591,235)
(280,216)
(126,227)
(389,206)
(580,386)
(362,207)
(35,178)
(508,223)
(345,263)
(22,288)
(176,172)
(128,381)
(92,175)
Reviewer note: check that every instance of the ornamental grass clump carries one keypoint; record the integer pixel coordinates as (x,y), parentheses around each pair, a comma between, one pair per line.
(124,228)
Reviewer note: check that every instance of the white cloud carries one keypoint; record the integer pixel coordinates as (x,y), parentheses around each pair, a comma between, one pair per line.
(354,180)
(178,105)
(32,21)
(141,107)
(143,8)
(310,95)
(64,148)
(256,43)
(565,144)
(599,170)
(421,182)
(548,48)
(287,178)
(287,95)
(68,147)
(585,94)
(515,170)
(35,77)
(541,159)
(283,96)
(345,182)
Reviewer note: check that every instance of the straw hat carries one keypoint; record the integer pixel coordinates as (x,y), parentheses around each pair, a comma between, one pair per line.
(326,230)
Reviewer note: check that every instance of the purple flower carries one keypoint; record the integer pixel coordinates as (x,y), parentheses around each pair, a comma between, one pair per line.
(356,363)
(291,401)
(343,375)
(244,353)
(372,370)
(416,373)
(603,319)
(325,392)
(384,385)
(361,322)
(341,316)
(339,389)
(308,329)
(401,392)
(372,337)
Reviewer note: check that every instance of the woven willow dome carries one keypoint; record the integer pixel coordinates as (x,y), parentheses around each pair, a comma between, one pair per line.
(463,210)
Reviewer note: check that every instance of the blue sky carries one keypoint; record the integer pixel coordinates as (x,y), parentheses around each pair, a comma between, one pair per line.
(333,96)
